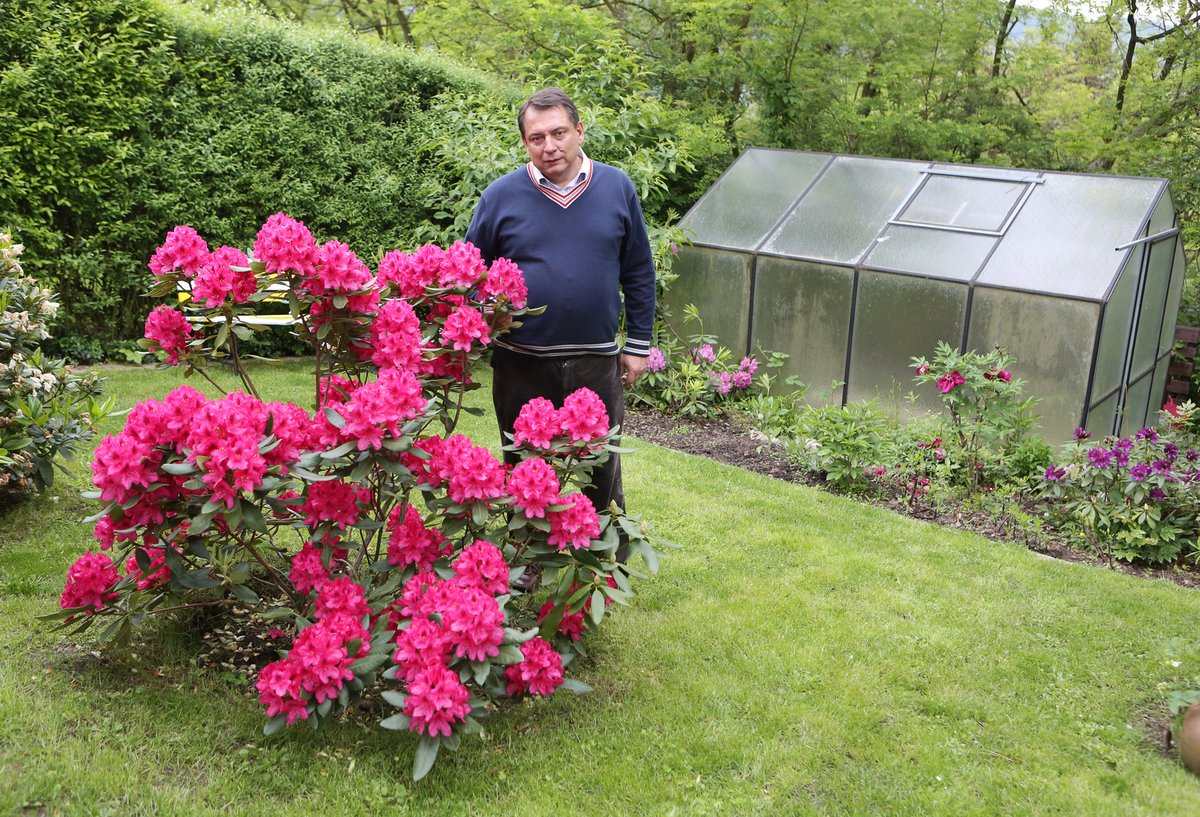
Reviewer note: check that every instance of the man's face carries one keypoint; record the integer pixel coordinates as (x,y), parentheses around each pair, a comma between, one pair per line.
(552,142)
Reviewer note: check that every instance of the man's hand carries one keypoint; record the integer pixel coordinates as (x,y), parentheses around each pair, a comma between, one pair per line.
(632,368)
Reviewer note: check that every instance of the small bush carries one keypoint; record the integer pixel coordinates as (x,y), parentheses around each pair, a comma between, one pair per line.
(46,409)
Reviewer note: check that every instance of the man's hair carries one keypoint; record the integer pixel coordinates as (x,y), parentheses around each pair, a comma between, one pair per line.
(544,100)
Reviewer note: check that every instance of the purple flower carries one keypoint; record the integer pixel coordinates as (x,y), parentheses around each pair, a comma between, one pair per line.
(742,380)
(1054,473)
(1123,444)
(655,361)
(1100,457)
(725,383)
(1082,434)
(1171,451)
(1147,434)
(1158,493)
(1192,455)
(1139,472)
(1162,466)
(749,364)
(1121,457)
(674,248)
(704,352)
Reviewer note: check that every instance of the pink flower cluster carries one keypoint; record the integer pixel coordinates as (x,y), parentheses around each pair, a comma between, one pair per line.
(1002,375)
(319,662)
(396,336)
(575,526)
(335,502)
(285,245)
(471,473)
(218,280)
(308,569)
(534,487)
(458,618)
(656,361)
(182,251)
(156,574)
(410,542)
(582,418)
(505,281)
(373,410)
(89,582)
(540,673)
(169,330)
(459,266)
(464,327)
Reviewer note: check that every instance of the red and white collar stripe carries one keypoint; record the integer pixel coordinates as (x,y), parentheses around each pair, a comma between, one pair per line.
(563,200)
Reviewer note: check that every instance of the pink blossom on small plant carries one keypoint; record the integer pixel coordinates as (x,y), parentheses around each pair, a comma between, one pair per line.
(473,620)
(280,692)
(379,408)
(583,416)
(572,625)
(285,245)
(724,383)
(949,382)
(475,475)
(182,251)
(998,374)
(704,352)
(396,336)
(576,526)
(333,501)
(339,271)
(748,364)
(742,379)
(655,361)
(412,274)
(90,581)
(169,330)
(421,644)
(539,674)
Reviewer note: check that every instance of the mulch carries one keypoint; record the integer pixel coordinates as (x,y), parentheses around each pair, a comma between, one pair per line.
(728,442)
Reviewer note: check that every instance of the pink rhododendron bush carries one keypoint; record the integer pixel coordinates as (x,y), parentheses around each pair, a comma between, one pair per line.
(381,544)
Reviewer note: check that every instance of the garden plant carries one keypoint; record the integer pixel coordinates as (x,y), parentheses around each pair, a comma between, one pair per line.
(378,545)
(46,409)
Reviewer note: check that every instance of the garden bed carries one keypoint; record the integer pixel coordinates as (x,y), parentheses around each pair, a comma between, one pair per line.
(728,442)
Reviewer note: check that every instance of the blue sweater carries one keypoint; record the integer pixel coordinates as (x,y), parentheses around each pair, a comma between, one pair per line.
(577,261)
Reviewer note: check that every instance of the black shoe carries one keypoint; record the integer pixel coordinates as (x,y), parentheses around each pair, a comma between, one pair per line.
(529,580)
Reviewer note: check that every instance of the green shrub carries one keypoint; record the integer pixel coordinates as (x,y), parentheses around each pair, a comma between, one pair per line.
(46,409)
(119,116)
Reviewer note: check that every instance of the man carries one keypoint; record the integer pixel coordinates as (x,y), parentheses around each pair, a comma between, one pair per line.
(575,228)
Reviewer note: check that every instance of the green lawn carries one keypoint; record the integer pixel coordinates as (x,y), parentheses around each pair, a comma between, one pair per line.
(802,654)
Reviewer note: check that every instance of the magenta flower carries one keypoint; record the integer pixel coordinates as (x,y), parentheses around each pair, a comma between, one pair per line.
(89,582)
(412,274)
(462,266)
(534,486)
(1082,434)
(704,352)
(183,251)
(285,245)
(922,369)
(482,565)
(339,270)
(576,526)
(334,501)
(998,374)
(949,382)
(424,643)
(724,383)
(583,416)
(1139,471)
(505,280)
(437,700)
(308,571)
(410,542)
(539,674)
(1055,473)
(169,330)
(1100,457)
(537,424)
(473,620)
(475,475)
(217,280)
(656,361)
(572,625)
(465,326)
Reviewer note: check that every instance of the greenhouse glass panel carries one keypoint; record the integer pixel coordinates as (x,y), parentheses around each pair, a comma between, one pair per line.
(1178,270)
(1062,242)
(718,283)
(1150,318)
(1051,342)
(939,253)
(1114,336)
(845,210)
(1164,215)
(803,309)
(1102,416)
(1158,390)
(957,201)
(898,318)
(1134,417)
(757,190)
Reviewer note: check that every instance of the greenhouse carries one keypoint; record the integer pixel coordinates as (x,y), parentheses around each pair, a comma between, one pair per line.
(854,265)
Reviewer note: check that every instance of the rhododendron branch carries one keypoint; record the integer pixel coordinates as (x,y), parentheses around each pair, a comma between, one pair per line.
(279,579)
(200,371)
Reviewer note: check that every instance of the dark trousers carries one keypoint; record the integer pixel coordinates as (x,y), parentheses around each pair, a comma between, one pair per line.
(519,378)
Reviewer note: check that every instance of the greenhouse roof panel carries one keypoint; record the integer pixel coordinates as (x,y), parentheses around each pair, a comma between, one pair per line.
(752,196)
(1064,239)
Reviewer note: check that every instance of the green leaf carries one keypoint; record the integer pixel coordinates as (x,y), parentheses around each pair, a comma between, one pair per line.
(252,517)
(396,699)
(245,594)
(397,722)
(279,721)
(427,750)
(598,602)
(369,663)
(576,686)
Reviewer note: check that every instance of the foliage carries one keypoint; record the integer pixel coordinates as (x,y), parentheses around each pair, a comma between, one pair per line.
(117,116)
(46,410)
(988,420)
(1132,498)
(402,537)
(698,378)
(841,443)
(1182,690)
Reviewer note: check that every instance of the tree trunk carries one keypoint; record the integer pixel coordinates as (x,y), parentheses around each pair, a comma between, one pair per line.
(1002,36)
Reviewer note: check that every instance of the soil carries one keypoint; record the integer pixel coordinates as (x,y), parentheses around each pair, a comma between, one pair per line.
(730,443)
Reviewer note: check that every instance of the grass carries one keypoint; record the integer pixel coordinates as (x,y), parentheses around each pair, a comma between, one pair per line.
(801,654)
